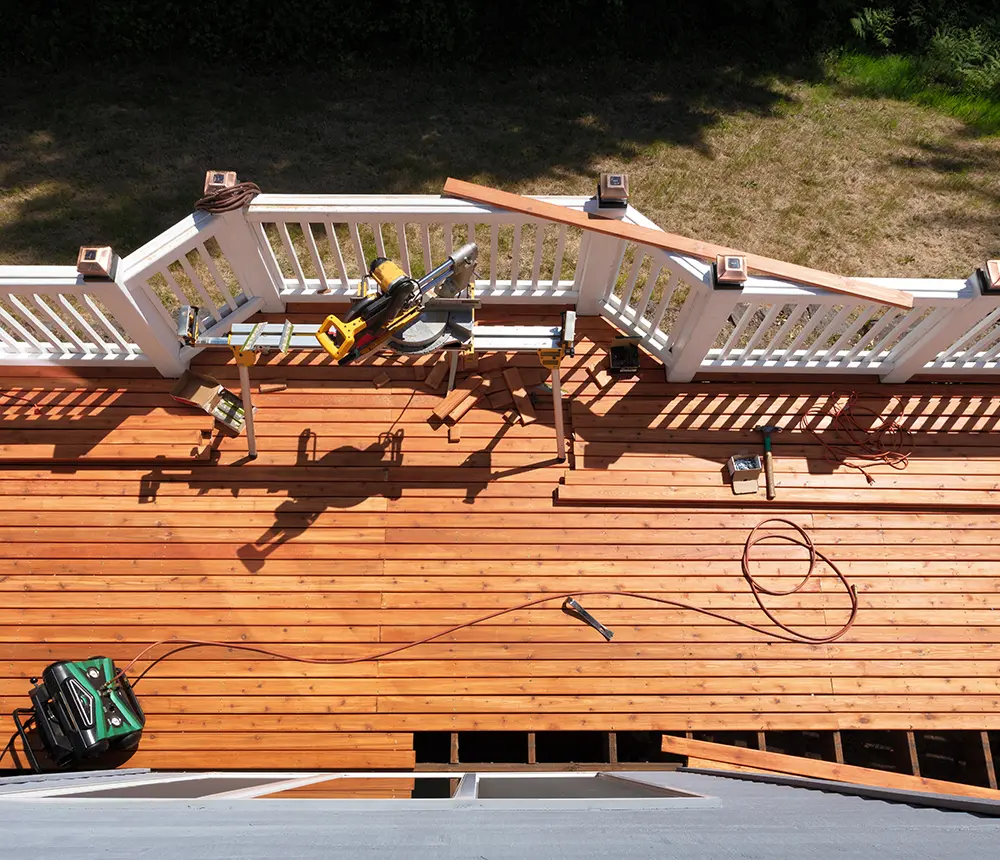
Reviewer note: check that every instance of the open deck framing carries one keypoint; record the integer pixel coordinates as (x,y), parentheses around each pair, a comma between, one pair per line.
(361,525)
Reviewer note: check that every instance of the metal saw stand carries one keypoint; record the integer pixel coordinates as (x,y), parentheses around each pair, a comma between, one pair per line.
(249,341)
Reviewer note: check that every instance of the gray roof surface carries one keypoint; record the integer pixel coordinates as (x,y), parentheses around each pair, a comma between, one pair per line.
(747,820)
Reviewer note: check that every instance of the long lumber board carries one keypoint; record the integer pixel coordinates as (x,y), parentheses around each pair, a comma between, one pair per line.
(854,287)
(799,766)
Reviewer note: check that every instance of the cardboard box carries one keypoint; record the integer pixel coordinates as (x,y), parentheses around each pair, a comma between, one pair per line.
(209,395)
(744,470)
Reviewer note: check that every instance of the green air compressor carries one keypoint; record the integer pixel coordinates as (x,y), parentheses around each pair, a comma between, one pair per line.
(83,710)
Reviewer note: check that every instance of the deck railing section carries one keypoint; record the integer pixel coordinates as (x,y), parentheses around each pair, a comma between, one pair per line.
(51,315)
(313,248)
(318,247)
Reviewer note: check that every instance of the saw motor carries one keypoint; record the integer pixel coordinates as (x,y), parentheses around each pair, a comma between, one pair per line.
(409,316)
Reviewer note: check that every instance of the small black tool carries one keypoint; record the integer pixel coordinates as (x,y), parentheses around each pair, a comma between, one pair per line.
(572,607)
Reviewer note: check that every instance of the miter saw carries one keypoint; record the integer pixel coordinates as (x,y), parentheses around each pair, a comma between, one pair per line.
(405,315)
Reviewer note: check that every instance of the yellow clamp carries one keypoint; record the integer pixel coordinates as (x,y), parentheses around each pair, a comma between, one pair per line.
(244,357)
(551,358)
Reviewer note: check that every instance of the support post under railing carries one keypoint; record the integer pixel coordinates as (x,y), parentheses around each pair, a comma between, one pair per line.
(960,318)
(239,243)
(144,324)
(702,325)
(601,256)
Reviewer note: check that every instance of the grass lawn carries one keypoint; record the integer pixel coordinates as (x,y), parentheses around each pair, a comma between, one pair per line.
(819,172)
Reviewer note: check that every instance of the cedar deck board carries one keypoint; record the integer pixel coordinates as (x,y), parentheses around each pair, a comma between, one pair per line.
(331,545)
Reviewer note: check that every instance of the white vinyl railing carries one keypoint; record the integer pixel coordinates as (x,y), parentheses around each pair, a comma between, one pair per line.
(319,246)
(50,314)
(315,248)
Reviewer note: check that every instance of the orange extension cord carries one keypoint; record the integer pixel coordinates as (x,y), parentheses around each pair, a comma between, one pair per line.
(884,442)
(785,633)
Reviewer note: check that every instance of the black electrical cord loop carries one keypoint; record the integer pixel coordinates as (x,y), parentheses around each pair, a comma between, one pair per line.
(783,632)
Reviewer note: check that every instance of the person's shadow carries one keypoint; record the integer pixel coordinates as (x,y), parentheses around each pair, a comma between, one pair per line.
(298,513)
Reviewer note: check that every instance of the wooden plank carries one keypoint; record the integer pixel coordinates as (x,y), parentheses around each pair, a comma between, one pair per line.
(465,406)
(437,373)
(522,401)
(816,769)
(464,389)
(854,287)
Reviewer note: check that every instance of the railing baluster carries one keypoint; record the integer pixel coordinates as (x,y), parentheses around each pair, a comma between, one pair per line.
(536,266)
(762,329)
(448,229)
(807,329)
(338,257)
(199,287)
(515,257)
(220,283)
(868,316)
(39,303)
(983,345)
(166,274)
(359,250)
(37,323)
(307,234)
(878,348)
(425,240)
(849,332)
(630,281)
(825,334)
(81,321)
(16,346)
(494,251)
(872,335)
(668,294)
(738,329)
(404,247)
(379,239)
(970,337)
(109,326)
(647,293)
(20,329)
(293,258)
(599,250)
(790,321)
(558,259)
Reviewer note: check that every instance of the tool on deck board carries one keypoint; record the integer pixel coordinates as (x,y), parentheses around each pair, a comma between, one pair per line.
(766,430)
(87,708)
(416,316)
(436,318)
(83,710)
(573,607)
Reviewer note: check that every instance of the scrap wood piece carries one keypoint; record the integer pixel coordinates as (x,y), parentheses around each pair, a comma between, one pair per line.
(521,399)
(456,414)
(454,434)
(420,372)
(437,374)
(493,361)
(500,399)
(381,380)
(470,361)
(854,287)
(272,387)
(791,765)
(461,392)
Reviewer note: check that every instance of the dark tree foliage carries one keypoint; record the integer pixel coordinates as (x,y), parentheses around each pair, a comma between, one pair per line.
(334,33)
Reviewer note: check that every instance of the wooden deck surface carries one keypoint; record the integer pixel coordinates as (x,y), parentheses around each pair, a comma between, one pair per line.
(361,526)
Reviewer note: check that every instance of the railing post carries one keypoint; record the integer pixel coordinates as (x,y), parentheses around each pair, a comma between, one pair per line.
(701,327)
(239,244)
(143,323)
(602,257)
(957,322)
